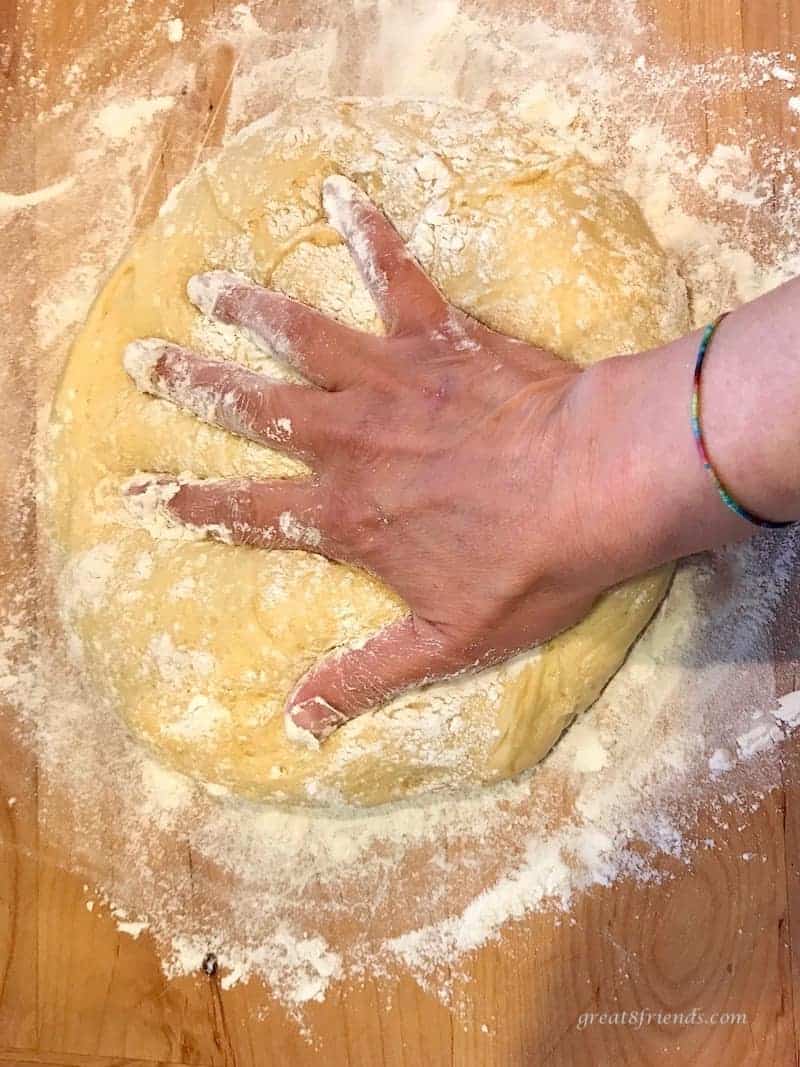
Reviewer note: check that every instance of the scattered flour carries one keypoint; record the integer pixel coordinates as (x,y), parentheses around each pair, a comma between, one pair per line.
(174,30)
(117,121)
(132,929)
(303,901)
(781,74)
(11,202)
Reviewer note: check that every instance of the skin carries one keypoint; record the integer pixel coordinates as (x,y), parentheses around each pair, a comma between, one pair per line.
(496,488)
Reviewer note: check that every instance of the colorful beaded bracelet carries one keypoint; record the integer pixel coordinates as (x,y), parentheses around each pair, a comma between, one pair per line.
(697,430)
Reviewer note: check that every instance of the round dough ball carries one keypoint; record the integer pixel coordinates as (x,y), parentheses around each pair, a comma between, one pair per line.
(197,644)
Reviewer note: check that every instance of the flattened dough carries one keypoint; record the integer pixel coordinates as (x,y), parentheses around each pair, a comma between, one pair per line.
(197,644)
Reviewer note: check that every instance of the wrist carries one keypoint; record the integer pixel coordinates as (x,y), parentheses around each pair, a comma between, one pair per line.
(651,496)
(750,397)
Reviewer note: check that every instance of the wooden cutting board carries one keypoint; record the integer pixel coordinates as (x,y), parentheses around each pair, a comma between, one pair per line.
(721,936)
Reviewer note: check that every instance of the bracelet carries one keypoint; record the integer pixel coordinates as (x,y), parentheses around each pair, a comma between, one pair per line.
(727,498)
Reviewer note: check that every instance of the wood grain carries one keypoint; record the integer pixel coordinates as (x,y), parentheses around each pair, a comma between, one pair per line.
(719,935)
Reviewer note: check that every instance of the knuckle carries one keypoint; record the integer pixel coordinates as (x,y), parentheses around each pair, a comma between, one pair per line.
(355,518)
(242,510)
(356,431)
(244,407)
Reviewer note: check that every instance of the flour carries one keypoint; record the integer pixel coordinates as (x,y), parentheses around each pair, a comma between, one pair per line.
(788,710)
(90,576)
(720,761)
(305,901)
(204,290)
(118,121)
(139,360)
(145,500)
(787,76)
(132,929)
(174,30)
(11,202)
(296,531)
(590,756)
(172,790)
(201,718)
(173,661)
(768,727)
(301,968)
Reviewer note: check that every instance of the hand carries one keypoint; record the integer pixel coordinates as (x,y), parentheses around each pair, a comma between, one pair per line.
(447,459)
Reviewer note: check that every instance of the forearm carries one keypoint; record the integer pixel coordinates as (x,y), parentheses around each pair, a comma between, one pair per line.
(659,501)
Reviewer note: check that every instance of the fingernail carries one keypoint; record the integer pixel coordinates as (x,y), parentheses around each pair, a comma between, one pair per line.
(150,500)
(204,289)
(312,721)
(337,193)
(139,360)
(147,499)
(141,483)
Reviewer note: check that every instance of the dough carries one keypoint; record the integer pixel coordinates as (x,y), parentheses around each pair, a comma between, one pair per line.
(197,644)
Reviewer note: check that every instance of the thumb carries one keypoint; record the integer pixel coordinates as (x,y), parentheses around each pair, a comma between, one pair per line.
(346,684)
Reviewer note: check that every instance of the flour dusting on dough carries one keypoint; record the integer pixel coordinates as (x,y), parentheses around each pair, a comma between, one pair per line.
(615,794)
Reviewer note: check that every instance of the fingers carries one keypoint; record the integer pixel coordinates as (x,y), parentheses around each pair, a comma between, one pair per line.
(406,297)
(293,418)
(408,653)
(323,350)
(278,513)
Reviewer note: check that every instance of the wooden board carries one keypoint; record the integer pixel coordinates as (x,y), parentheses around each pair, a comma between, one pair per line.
(721,936)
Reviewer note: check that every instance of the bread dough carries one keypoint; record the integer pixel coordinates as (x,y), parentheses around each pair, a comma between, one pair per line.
(196,643)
